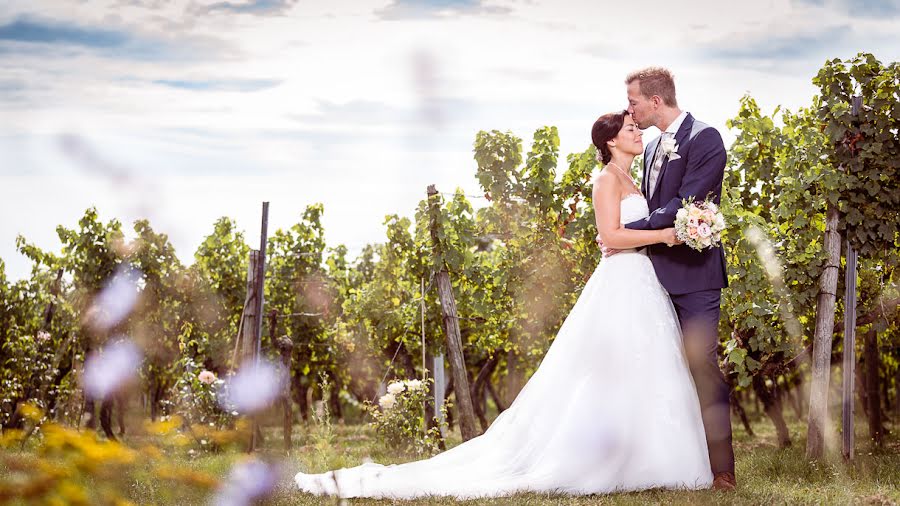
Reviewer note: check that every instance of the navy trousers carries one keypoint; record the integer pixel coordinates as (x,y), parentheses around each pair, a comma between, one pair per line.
(698,313)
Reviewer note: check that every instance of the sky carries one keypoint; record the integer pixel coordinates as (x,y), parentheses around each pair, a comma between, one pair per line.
(184,112)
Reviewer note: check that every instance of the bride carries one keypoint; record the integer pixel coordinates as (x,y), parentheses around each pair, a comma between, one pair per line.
(612,406)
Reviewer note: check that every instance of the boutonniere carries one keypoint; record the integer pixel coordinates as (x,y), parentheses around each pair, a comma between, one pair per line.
(670,148)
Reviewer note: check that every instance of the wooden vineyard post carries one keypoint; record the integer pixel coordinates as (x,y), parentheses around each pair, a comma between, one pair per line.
(285,347)
(256,435)
(451,328)
(848,410)
(248,330)
(821,356)
(251,331)
(260,279)
(849,360)
(427,413)
(440,389)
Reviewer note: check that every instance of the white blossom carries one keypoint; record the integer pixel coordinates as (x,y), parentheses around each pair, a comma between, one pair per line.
(396,387)
(387,401)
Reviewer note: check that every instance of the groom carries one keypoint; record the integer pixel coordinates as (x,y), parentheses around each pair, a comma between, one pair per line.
(687,161)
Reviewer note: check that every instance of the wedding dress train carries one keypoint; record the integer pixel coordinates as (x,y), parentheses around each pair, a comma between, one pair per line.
(611,408)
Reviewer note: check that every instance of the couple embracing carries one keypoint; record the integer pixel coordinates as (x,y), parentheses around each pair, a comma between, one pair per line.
(630,395)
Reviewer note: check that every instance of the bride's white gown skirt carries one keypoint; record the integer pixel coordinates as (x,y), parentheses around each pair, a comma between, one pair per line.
(612,407)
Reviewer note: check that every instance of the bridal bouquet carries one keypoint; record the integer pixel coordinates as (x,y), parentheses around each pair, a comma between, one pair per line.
(699,224)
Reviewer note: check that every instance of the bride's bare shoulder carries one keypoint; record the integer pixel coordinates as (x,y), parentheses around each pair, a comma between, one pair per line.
(603,181)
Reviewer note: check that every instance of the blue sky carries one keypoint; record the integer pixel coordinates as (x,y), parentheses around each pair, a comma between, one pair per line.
(182,112)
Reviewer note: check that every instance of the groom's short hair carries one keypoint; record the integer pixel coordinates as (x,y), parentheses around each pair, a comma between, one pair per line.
(655,81)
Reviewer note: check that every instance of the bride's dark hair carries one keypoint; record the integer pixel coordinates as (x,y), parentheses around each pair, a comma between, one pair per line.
(606,128)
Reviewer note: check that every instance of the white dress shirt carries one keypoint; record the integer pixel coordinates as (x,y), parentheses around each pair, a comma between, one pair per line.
(675,125)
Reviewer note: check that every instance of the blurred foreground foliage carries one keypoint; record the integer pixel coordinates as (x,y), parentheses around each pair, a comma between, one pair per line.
(54,464)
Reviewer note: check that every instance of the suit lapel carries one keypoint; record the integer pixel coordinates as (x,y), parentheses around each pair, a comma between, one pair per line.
(681,136)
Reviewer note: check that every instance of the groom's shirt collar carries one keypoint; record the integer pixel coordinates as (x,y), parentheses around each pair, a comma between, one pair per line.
(673,128)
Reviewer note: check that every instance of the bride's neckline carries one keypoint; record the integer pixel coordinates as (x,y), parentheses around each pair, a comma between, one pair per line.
(626,197)
(630,179)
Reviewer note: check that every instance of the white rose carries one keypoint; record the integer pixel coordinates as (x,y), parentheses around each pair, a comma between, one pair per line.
(413,385)
(670,149)
(704,230)
(387,401)
(668,145)
(395,387)
(681,214)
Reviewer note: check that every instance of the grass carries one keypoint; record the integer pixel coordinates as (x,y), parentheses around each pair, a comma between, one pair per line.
(766,474)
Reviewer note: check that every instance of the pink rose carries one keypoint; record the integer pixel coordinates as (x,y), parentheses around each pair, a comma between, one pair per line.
(206,377)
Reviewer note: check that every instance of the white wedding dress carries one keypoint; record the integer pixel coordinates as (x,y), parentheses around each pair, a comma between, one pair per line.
(611,408)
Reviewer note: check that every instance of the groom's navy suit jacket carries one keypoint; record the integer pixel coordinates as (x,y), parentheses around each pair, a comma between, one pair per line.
(698,173)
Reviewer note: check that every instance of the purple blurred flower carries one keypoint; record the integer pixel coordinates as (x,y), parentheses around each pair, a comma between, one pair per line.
(110,368)
(116,300)
(248,481)
(253,388)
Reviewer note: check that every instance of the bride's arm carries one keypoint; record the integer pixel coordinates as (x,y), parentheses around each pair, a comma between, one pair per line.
(607,202)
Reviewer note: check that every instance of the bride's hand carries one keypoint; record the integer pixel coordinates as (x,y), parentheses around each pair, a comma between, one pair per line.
(670,238)
(607,252)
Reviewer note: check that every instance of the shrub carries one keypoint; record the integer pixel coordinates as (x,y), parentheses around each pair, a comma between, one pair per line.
(399,417)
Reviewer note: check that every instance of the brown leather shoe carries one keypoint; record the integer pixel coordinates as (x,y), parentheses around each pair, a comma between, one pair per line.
(724,482)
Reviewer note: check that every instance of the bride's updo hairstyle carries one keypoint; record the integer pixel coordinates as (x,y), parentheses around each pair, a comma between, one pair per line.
(605,129)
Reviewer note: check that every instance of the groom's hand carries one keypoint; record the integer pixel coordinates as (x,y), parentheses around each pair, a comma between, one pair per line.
(607,252)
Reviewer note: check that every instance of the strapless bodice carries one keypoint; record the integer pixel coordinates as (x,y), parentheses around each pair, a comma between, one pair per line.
(633,208)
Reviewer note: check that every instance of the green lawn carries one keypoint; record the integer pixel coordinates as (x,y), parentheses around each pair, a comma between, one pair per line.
(766,474)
